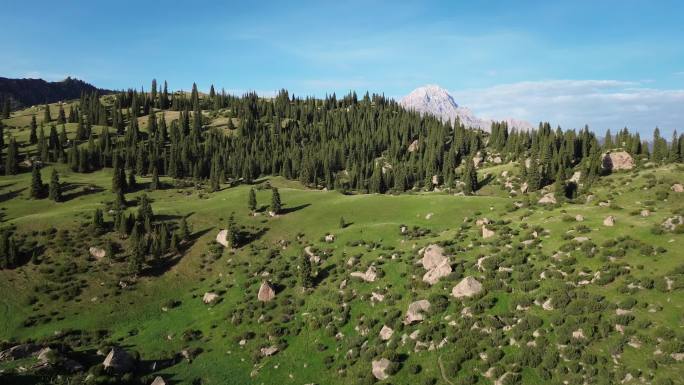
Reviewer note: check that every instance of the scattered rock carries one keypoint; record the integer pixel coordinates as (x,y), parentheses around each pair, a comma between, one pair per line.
(415,311)
(618,160)
(486,233)
(379,368)
(266,292)
(369,276)
(429,215)
(578,334)
(210,298)
(377,297)
(330,238)
(19,351)
(677,187)
(672,222)
(547,305)
(97,252)
(222,238)
(386,333)
(609,221)
(579,218)
(645,213)
(269,351)
(119,361)
(413,146)
(547,199)
(158,381)
(468,287)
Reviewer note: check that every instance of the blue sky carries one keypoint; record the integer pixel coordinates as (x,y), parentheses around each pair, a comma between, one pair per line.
(606,63)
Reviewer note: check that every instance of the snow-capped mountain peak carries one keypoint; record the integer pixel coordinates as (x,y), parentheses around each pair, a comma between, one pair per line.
(435,100)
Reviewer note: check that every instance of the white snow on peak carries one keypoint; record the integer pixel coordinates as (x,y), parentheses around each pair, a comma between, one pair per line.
(435,100)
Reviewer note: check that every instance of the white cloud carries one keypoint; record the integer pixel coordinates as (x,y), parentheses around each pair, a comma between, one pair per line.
(603,104)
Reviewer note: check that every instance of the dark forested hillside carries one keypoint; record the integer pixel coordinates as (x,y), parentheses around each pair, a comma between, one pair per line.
(27,92)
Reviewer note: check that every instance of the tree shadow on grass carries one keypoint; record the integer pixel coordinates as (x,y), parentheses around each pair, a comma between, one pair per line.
(289,210)
(486,181)
(85,190)
(11,195)
(323,274)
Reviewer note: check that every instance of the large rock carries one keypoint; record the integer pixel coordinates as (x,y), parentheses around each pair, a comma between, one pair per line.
(266,292)
(677,187)
(468,287)
(158,381)
(433,256)
(618,160)
(442,270)
(269,351)
(222,238)
(487,233)
(368,276)
(210,298)
(547,199)
(379,368)
(386,332)
(609,221)
(436,264)
(119,361)
(415,311)
(19,351)
(672,222)
(97,252)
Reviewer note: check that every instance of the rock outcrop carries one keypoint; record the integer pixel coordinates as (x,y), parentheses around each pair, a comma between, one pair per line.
(436,264)
(618,160)
(547,199)
(118,360)
(380,367)
(222,238)
(609,221)
(415,311)
(266,292)
(210,298)
(369,276)
(97,252)
(468,287)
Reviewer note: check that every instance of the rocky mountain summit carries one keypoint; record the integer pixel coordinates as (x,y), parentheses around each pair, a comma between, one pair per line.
(435,100)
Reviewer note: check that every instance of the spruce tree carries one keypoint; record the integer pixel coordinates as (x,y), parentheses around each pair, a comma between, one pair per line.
(252,202)
(36,183)
(154,183)
(183,230)
(55,192)
(305,278)
(233,233)
(11,159)
(470,177)
(533,175)
(33,135)
(276,205)
(46,114)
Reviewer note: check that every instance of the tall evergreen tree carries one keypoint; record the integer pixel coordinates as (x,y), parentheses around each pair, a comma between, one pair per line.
(252,202)
(470,177)
(46,114)
(276,205)
(11,158)
(36,183)
(55,191)
(33,136)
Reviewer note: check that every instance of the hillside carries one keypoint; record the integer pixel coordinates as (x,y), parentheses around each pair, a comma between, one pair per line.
(28,92)
(212,239)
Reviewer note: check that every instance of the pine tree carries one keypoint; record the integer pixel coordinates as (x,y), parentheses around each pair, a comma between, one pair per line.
(470,177)
(533,175)
(252,202)
(36,183)
(11,159)
(6,109)
(305,278)
(183,230)
(55,193)
(98,220)
(154,183)
(46,114)
(276,205)
(233,233)
(33,136)
(132,183)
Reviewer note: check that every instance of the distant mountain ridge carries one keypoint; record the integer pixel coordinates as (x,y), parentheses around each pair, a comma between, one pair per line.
(29,92)
(435,100)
